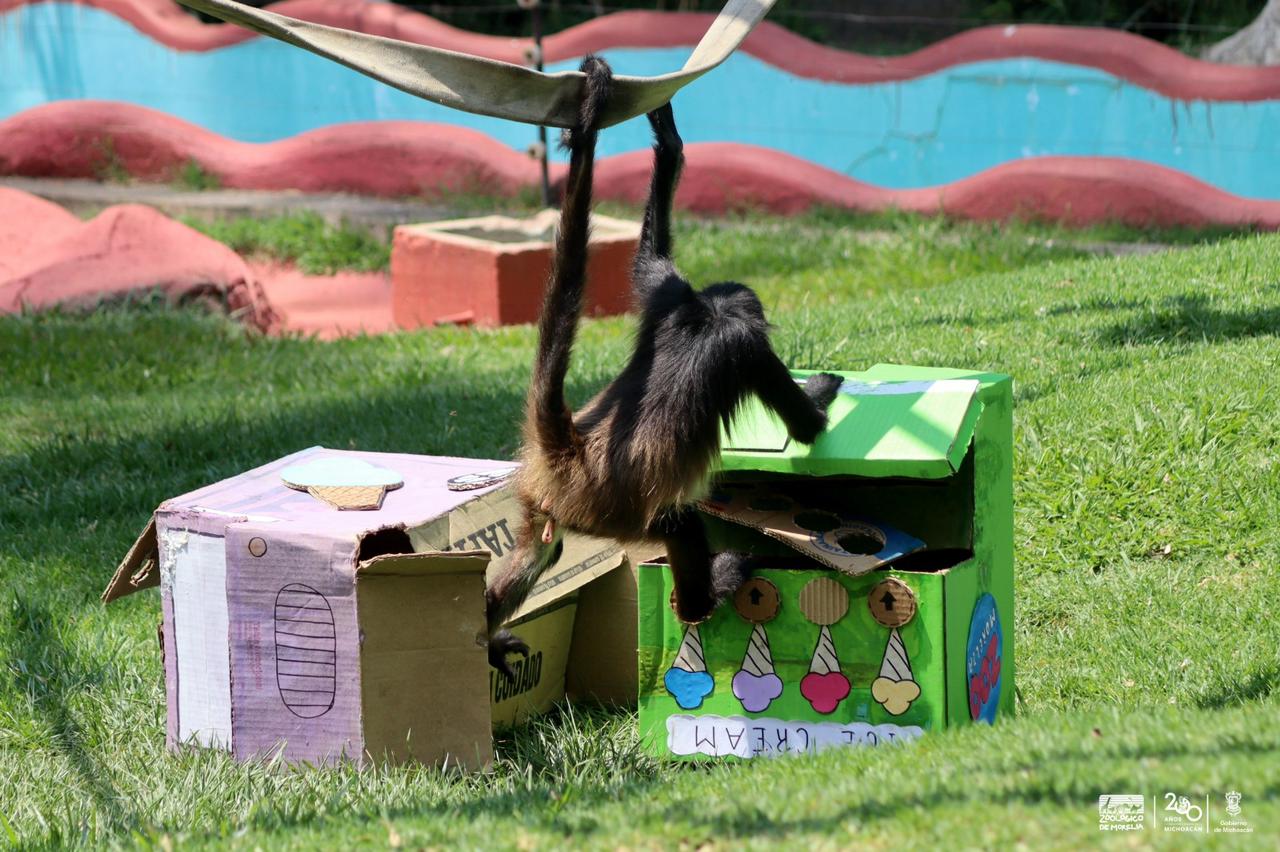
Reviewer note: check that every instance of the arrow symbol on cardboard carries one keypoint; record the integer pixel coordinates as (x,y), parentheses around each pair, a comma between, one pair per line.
(756,596)
(888,601)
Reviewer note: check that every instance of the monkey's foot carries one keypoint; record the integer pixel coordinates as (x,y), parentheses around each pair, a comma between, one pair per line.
(729,570)
(501,644)
(663,123)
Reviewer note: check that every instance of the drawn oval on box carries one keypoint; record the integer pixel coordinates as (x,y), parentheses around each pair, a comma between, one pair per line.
(306,651)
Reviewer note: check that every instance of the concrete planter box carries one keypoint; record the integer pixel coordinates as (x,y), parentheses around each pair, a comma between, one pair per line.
(492,270)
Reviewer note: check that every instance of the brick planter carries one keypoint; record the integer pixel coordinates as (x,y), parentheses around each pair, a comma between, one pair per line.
(493,270)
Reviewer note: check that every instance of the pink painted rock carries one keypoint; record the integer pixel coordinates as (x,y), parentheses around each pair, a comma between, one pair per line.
(720,176)
(49,257)
(387,158)
(399,158)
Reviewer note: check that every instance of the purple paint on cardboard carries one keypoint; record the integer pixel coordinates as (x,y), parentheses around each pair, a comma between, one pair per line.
(263,720)
(756,692)
(260,492)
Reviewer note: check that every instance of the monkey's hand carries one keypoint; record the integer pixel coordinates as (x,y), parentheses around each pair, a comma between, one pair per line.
(821,390)
(501,644)
(665,136)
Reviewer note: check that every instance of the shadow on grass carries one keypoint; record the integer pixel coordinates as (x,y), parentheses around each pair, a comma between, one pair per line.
(1192,317)
(1255,686)
(116,480)
(745,821)
(51,675)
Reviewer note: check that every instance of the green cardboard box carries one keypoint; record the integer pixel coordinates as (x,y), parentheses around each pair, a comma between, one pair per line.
(882,606)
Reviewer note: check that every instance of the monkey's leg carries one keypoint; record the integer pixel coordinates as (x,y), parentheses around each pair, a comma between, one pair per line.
(701,581)
(511,588)
(802,409)
(547,411)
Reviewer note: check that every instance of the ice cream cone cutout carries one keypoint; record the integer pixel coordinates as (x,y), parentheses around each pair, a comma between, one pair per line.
(688,680)
(824,602)
(756,684)
(896,687)
(342,482)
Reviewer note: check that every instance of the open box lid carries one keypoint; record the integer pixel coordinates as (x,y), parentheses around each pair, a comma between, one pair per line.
(886,421)
(260,496)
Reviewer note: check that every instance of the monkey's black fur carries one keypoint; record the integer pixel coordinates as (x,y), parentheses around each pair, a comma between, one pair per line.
(633,462)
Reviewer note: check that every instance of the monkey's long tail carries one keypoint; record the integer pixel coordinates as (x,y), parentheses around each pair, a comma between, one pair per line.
(548,414)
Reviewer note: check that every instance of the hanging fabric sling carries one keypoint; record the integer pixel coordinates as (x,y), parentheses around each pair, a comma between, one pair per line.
(487,86)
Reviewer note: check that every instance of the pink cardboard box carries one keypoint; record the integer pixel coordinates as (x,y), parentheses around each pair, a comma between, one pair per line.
(292,627)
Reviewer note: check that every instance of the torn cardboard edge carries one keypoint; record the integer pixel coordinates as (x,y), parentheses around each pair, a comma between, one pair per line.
(140,567)
(424,564)
(825,538)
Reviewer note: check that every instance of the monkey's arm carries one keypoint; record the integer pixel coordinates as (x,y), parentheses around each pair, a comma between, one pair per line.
(802,409)
(653,254)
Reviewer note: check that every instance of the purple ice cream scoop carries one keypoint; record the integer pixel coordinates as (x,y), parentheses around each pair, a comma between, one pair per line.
(756,692)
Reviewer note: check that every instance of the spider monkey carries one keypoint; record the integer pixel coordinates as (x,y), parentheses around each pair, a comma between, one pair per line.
(631,464)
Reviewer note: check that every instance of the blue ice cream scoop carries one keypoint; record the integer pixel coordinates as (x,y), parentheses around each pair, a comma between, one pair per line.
(688,688)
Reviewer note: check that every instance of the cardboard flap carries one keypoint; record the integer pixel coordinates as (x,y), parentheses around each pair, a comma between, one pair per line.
(423,676)
(909,427)
(819,534)
(584,559)
(425,564)
(491,522)
(140,568)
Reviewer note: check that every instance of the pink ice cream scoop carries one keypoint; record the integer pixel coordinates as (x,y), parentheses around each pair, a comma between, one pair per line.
(825,686)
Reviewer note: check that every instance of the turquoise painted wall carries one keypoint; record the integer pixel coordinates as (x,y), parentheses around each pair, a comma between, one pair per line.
(916,133)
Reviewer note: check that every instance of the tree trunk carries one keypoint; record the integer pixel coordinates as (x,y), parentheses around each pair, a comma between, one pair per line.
(1256,44)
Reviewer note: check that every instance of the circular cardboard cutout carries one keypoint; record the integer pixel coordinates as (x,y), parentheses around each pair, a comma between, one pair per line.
(483,479)
(824,601)
(757,600)
(892,602)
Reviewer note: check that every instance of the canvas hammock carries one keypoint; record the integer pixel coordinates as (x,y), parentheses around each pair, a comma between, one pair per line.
(487,86)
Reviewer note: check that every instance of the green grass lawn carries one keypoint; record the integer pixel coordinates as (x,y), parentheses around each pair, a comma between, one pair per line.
(1148,544)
